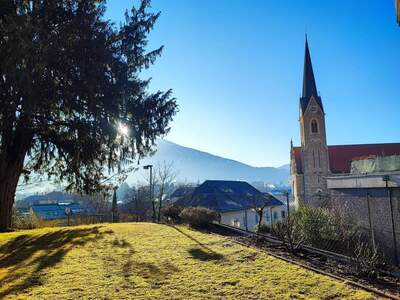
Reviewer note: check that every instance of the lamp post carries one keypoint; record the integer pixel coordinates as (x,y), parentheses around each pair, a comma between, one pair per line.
(150,168)
(287,203)
(386,179)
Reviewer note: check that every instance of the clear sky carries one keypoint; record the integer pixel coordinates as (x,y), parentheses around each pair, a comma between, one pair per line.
(236,69)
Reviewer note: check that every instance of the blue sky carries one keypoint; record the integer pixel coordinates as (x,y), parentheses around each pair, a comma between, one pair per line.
(236,69)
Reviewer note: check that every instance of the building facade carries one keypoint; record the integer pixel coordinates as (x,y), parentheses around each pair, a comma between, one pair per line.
(314,160)
(236,202)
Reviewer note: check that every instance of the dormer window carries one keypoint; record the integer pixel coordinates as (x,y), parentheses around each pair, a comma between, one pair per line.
(314,126)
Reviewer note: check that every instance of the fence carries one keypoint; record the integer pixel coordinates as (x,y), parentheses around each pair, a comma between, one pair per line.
(360,223)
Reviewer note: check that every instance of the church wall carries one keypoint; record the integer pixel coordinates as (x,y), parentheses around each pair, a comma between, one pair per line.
(353,205)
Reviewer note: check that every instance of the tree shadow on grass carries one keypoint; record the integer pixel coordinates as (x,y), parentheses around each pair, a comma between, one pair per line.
(155,275)
(203,252)
(200,254)
(42,251)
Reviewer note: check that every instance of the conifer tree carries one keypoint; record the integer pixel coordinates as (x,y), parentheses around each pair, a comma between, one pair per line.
(72,102)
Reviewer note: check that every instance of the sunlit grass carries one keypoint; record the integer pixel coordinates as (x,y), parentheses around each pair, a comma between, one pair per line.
(149,261)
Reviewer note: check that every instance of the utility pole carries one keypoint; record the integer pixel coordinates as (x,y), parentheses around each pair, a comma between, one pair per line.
(150,168)
(386,178)
(287,204)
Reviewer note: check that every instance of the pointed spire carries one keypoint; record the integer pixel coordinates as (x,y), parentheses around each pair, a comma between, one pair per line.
(309,86)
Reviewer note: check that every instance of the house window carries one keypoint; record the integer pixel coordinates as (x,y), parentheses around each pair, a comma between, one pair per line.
(283,214)
(266,216)
(314,126)
(275,215)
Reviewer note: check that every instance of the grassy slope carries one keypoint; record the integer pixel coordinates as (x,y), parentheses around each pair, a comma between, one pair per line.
(140,261)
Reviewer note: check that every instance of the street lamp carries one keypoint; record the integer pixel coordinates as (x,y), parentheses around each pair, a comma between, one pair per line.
(386,179)
(286,193)
(150,168)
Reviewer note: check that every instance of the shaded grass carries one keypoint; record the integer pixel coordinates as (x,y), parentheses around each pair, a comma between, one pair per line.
(149,261)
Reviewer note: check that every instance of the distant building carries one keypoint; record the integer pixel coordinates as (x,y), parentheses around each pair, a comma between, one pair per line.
(236,202)
(54,211)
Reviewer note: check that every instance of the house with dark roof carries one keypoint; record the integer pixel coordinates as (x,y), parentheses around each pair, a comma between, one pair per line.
(236,202)
(361,181)
(180,192)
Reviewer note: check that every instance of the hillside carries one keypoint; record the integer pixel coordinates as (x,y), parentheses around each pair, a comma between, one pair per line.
(150,261)
(191,165)
(196,166)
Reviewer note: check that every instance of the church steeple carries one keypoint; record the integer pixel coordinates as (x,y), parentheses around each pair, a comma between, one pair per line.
(309,85)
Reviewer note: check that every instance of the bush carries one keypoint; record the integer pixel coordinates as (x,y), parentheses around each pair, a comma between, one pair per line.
(318,226)
(264,228)
(171,213)
(198,217)
(366,259)
(26,221)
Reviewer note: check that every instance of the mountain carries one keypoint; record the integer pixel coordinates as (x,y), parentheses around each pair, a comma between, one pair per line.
(284,167)
(196,166)
(191,165)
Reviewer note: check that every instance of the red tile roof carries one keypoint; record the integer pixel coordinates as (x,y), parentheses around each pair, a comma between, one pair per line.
(341,156)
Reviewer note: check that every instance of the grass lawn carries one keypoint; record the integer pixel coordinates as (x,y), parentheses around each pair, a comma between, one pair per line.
(149,261)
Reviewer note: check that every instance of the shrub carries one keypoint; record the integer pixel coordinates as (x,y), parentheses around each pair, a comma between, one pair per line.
(366,259)
(288,230)
(171,213)
(198,217)
(26,221)
(264,228)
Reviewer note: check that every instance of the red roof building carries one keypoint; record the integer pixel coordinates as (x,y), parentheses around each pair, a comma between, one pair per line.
(315,161)
(341,156)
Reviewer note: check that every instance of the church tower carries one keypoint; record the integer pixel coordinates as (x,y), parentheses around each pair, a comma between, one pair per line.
(314,149)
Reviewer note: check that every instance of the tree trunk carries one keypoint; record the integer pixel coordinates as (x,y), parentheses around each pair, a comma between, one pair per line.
(8,187)
(159,210)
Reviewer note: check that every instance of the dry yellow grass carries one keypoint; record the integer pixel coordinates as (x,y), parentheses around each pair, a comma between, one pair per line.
(149,261)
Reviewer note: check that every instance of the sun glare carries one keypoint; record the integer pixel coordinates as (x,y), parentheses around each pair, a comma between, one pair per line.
(123,129)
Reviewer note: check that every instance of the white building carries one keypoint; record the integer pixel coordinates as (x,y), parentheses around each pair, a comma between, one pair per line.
(236,202)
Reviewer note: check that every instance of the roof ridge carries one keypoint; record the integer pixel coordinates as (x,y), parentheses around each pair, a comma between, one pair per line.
(370,144)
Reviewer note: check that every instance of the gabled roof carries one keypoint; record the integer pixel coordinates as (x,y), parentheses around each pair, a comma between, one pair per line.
(341,156)
(309,85)
(222,196)
(182,191)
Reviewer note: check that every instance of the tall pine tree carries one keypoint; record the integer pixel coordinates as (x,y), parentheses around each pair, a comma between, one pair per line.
(69,81)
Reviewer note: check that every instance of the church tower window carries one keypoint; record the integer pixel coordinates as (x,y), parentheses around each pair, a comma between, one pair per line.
(314,126)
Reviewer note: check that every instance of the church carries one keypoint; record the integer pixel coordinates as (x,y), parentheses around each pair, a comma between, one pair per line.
(314,162)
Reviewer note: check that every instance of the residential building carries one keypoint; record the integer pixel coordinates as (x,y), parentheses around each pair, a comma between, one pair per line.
(236,202)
